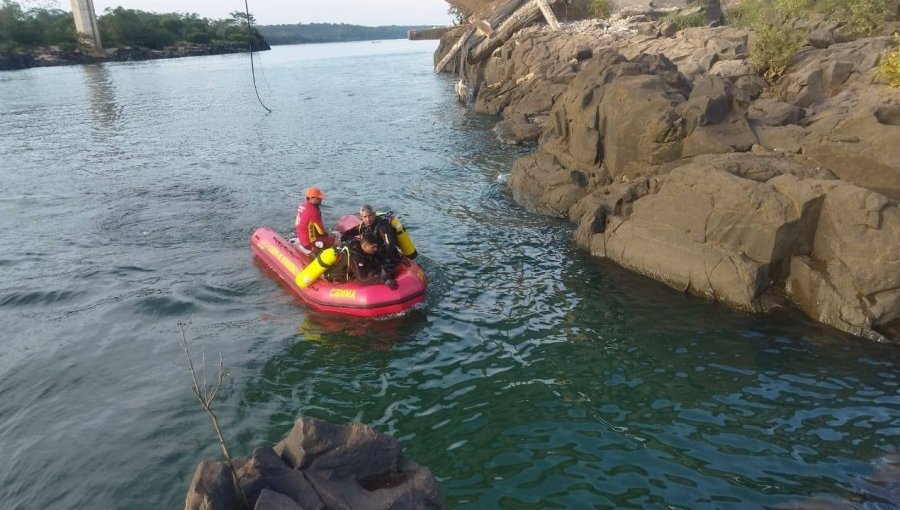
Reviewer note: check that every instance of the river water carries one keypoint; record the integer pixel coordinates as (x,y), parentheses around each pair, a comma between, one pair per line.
(533,376)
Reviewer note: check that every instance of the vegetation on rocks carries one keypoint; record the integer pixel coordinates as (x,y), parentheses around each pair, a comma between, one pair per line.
(696,18)
(861,17)
(890,64)
(458,15)
(780,36)
(601,8)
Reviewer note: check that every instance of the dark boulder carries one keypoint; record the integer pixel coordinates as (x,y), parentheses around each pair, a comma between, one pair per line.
(267,471)
(211,488)
(888,114)
(320,466)
(270,500)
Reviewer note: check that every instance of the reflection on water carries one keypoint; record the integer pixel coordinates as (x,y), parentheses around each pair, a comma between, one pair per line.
(533,377)
(101,93)
(355,333)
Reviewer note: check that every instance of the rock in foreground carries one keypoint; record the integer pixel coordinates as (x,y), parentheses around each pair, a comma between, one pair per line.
(320,466)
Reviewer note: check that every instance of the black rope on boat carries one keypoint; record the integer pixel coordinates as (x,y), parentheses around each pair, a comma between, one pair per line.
(250,47)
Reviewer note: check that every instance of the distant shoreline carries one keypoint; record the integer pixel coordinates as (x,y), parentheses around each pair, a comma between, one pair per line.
(313,33)
(51,57)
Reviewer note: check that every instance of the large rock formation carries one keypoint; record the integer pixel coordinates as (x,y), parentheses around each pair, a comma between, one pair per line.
(320,466)
(851,125)
(712,232)
(850,278)
(676,160)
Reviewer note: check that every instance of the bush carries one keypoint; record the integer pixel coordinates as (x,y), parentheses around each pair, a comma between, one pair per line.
(774,50)
(682,21)
(35,27)
(890,64)
(459,17)
(778,39)
(860,17)
(601,8)
(199,38)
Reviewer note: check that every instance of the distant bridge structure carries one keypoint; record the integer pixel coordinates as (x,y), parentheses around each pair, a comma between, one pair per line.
(86,22)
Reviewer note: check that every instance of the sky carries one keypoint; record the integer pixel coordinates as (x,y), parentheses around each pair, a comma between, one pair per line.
(276,12)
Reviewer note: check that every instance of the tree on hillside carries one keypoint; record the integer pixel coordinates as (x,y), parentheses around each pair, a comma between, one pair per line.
(457,15)
(20,28)
(130,27)
(331,32)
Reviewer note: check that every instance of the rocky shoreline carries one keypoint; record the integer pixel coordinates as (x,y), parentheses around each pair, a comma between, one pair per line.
(52,57)
(676,160)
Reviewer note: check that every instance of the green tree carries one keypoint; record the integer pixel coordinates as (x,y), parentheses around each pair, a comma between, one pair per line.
(21,29)
(35,27)
(457,15)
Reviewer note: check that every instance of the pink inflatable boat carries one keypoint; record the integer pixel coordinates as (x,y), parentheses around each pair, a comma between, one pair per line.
(351,298)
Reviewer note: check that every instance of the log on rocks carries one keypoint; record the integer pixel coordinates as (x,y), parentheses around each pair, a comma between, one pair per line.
(489,21)
(548,14)
(455,49)
(523,17)
(503,11)
(484,28)
(480,29)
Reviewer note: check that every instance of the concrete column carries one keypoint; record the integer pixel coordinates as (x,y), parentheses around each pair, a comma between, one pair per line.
(86,22)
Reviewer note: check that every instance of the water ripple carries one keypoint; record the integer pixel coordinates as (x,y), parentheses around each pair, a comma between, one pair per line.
(532,376)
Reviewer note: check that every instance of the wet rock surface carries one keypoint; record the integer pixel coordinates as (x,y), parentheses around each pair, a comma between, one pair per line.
(320,466)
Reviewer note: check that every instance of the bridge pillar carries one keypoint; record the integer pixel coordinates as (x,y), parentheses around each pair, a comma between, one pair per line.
(86,22)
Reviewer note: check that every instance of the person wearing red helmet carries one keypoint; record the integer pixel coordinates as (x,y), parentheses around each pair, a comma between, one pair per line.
(311,233)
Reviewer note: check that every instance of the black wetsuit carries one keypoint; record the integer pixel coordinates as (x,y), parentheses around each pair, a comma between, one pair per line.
(357,265)
(388,250)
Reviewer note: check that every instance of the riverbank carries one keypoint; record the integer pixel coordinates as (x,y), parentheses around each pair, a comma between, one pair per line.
(677,160)
(52,57)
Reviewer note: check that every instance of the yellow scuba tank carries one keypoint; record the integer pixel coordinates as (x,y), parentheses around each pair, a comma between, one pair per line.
(403,240)
(324,260)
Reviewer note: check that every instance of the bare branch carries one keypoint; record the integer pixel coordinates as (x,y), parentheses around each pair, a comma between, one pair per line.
(203,363)
(221,378)
(184,346)
(205,396)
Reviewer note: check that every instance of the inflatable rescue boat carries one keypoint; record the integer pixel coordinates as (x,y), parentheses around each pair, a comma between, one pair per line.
(302,274)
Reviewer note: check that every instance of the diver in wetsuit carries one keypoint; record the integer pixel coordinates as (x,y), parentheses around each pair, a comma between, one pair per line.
(362,261)
(380,228)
